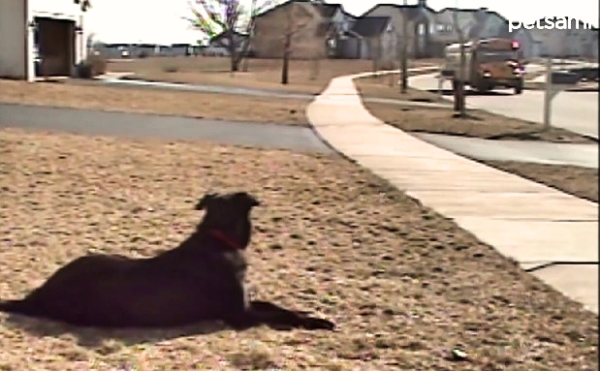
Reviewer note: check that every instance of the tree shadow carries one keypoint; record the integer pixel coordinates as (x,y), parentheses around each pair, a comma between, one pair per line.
(526,135)
(468,92)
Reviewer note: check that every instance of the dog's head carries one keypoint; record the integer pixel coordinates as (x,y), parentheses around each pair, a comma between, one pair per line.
(229,212)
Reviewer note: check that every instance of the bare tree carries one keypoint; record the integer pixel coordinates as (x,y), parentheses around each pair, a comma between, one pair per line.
(83,4)
(90,42)
(231,19)
(294,25)
(404,62)
(458,81)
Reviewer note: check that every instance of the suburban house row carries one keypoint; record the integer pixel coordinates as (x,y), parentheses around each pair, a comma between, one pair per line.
(326,30)
(380,32)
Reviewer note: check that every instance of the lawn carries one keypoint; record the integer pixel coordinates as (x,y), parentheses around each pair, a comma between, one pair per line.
(304,76)
(404,284)
(165,102)
(578,181)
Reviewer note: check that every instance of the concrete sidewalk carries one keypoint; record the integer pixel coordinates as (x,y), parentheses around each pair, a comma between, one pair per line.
(532,223)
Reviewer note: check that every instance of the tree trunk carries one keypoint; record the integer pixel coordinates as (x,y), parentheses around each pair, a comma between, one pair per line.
(286,59)
(458,88)
(233,55)
(459,104)
(234,64)
(404,68)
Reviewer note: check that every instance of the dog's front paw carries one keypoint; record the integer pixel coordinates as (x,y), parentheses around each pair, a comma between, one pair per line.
(311,323)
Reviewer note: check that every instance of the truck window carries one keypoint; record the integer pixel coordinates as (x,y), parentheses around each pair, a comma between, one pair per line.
(495,55)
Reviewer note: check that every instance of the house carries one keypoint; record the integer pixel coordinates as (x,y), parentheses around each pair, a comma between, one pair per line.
(144,50)
(182,49)
(529,46)
(369,38)
(219,44)
(575,39)
(113,51)
(311,26)
(472,24)
(419,19)
(52,27)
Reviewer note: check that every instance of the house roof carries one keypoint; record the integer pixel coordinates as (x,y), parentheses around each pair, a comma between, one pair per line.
(370,26)
(413,10)
(226,33)
(327,10)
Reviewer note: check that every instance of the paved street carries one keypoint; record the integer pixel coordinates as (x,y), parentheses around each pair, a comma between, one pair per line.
(574,111)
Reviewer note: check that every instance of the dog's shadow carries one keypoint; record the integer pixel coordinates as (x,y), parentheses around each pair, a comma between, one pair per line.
(95,338)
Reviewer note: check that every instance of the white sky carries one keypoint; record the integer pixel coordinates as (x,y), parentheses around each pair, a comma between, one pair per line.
(159,21)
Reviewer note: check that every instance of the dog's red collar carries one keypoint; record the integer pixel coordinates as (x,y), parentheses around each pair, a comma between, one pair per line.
(225,239)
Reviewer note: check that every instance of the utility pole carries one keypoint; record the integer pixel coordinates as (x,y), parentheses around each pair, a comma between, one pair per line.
(404,67)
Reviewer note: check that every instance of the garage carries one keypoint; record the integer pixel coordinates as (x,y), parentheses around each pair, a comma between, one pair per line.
(54,40)
(40,39)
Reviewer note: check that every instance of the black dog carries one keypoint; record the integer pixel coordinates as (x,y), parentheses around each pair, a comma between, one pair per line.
(202,279)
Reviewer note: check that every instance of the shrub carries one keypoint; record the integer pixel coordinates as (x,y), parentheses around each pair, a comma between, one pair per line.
(93,66)
(98,64)
(83,70)
(170,68)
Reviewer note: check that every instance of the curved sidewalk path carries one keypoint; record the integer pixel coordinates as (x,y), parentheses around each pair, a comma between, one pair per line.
(550,233)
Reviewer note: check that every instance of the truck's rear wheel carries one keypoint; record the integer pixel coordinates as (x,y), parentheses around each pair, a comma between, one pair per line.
(519,89)
(483,88)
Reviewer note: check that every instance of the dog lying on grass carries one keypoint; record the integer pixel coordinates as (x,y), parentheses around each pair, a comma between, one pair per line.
(202,279)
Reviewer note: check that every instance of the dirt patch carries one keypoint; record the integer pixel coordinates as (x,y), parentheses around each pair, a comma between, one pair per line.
(577,181)
(479,124)
(304,76)
(404,284)
(166,102)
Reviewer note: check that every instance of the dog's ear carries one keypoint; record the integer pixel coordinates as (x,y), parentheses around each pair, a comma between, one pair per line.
(253,201)
(205,201)
(245,198)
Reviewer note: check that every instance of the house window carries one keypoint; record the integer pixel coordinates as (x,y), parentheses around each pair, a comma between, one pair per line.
(444,27)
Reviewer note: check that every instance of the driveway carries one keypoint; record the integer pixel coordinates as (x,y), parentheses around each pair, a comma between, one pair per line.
(573,111)
(165,127)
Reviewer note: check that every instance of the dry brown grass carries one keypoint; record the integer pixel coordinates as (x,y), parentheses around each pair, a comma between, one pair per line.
(387,87)
(403,284)
(480,124)
(262,73)
(578,181)
(171,102)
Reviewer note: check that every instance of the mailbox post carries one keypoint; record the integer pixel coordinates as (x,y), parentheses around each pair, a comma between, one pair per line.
(555,83)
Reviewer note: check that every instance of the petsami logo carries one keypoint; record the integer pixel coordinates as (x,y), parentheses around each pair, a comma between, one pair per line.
(550,23)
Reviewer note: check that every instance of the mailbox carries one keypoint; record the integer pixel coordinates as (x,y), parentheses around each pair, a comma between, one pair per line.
(564,78)
(587,73)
